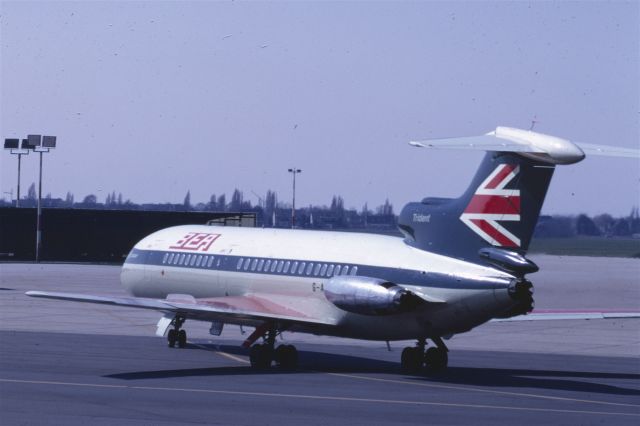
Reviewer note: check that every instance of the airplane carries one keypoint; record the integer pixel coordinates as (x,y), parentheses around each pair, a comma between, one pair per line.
(460,263)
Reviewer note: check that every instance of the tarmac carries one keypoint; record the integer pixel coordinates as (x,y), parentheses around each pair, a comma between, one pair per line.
(72,363)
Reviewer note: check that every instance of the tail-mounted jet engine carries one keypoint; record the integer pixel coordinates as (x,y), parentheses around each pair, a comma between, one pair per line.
(369,296)
(521,291)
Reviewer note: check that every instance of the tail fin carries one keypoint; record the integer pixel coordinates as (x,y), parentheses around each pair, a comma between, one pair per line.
(501,206)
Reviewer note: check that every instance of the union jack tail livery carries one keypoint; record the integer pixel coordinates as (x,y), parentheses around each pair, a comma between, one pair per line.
(491,204)
(497,214)
(501,206)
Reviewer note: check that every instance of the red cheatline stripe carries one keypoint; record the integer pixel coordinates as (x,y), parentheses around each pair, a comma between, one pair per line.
(500,238)
(494,204)
(502,175)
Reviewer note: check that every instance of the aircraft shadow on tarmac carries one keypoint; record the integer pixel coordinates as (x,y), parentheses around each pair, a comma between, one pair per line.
(321,362)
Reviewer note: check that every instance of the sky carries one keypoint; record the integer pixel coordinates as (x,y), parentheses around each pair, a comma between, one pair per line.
(153,99)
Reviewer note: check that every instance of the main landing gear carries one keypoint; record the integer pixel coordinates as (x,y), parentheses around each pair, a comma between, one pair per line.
(262,355)
(175,335)
(434,359)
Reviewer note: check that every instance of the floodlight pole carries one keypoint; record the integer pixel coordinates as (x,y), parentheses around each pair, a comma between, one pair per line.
(39,150)
(18,197)
(294,171)
(38,229)
(19,152)
(40,145)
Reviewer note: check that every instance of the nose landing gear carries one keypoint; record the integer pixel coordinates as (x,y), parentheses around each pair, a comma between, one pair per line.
(175,335)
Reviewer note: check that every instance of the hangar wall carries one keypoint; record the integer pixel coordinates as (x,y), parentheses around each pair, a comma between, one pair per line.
(83,235)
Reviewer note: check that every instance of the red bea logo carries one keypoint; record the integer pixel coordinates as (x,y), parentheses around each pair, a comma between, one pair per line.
(195,241)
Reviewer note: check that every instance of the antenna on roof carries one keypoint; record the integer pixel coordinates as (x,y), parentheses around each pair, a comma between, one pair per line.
(533,122)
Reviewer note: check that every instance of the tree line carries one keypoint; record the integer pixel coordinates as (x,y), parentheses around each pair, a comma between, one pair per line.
(602,225)
(270,211)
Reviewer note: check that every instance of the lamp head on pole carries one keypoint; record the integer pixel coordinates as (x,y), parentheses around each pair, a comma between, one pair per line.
(48,141)
(11,143)
(34,141)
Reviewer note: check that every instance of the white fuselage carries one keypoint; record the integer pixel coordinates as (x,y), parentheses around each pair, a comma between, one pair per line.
(210,261)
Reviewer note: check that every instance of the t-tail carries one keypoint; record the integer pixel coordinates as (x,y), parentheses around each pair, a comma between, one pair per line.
(494,220)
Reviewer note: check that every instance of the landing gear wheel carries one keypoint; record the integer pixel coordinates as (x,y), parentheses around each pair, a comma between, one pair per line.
(436,359)
(182,339)
(411,359)
(172,337)
(286,357)
(260,356)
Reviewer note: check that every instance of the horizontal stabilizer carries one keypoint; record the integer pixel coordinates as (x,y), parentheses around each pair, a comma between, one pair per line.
(478,143)
(608,151)
(534,145)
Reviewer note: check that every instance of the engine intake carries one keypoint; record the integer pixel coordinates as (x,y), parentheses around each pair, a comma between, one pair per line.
(369,296)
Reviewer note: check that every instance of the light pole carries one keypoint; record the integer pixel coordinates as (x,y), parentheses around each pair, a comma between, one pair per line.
(14,146)
(293,206)
(40,144)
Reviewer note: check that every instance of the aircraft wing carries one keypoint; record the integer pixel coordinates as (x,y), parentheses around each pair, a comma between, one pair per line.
(230,309)
(570,315)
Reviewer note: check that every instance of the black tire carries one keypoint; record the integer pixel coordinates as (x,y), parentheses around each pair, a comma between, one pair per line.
(292,359)
(436,359)
(280,355)
(286,357)
(260,356)
(182,338)
(172,338)
(411,360)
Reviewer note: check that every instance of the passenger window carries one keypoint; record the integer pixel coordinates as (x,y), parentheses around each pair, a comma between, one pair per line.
(239,265)
(301,268)
(164,258)
(181,261)
(170,261)
(286,267)
(267,265)
(309,268)
(274,264)
(323,270)
(330,270)
(316,269)
(354,270)
(260,264)
(187,259)
(193,260)
(254,264)
(246,264)
(198,260)
(280,265)
(337,270)
(210,261)
(345,270)
(218,263)
(294,265)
